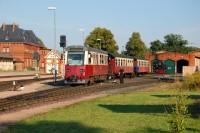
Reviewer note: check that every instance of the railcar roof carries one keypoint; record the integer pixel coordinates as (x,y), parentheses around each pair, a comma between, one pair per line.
(120,56)
(84,48)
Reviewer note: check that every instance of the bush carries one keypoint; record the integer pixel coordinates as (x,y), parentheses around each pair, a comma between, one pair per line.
(179,113)
(192,82)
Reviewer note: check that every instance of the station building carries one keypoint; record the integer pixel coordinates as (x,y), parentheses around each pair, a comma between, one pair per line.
(19,46)
(174,62)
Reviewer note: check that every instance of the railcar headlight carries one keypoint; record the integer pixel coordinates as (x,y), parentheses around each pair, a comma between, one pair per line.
(82,70)
(67,70)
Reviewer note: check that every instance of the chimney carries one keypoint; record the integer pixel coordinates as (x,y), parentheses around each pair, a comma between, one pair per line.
(14,27)
(4,26)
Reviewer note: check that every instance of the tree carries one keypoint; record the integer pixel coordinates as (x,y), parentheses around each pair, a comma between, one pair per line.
(175,42)
(156,45)
(135,46)
(102,38)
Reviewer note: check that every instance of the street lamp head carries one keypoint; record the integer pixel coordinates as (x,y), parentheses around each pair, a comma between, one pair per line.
(81,30)
(51,8)
(98,39)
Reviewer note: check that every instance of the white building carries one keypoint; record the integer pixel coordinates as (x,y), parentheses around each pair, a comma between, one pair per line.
(52,61)
(6,62)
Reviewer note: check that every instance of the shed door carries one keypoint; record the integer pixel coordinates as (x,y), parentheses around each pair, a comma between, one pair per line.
(170,66)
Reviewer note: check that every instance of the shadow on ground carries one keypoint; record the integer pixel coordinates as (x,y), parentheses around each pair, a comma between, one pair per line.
(193,109)
(150,130)
(57,83)
(153,130)
(53,127)
(118,108)
(194,97)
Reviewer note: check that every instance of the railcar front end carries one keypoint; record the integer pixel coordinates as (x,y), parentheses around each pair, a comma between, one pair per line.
(75,68)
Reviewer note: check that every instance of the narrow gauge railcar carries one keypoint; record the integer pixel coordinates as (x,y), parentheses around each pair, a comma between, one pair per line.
(85,65)
(141,66)
(118,62)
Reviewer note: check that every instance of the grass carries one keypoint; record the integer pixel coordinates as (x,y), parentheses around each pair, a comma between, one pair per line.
(137,112)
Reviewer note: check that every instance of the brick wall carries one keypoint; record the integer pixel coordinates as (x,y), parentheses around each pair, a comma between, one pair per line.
(173,56)
(22,53)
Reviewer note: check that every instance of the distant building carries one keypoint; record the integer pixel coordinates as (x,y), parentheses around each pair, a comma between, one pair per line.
(52,61)
(174,62)
(20,44)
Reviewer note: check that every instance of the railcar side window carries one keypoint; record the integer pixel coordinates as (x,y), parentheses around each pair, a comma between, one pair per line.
(89,58)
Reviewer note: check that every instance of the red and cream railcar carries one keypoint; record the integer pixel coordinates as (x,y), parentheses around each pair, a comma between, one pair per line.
(141,66)
(85,65)
(117,63)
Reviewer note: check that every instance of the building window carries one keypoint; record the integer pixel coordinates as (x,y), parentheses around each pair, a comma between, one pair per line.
(6,50)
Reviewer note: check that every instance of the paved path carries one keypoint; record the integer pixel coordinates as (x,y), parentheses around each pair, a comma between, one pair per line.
(21,78)
(11,118)
(36,86)
(17,73)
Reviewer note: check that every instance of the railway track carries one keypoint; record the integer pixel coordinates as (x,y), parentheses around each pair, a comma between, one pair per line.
(19,102)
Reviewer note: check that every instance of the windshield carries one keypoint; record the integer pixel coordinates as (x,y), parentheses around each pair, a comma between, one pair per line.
(75,58)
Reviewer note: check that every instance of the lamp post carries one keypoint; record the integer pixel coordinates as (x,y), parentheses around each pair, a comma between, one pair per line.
(123,50)
(99,40)
(52,8)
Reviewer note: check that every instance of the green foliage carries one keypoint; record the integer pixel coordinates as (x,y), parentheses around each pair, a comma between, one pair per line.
(156,45)
(102,38)
(135,46)
(173,43)
(179,113)
(192,82)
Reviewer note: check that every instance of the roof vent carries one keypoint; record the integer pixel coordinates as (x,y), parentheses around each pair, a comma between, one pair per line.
(4,26)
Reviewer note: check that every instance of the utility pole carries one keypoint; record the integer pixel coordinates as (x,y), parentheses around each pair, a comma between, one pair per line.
(54,23)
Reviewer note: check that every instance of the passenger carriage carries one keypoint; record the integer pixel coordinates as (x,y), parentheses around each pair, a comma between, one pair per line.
(141,66)
(118,62)
(85,65)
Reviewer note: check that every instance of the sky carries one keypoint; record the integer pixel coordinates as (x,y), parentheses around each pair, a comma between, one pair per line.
(153,19)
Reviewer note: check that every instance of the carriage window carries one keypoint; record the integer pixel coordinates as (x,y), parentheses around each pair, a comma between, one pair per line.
(106,59)
(89,60)
(101,59)
(97,59)
(94,60)
(118,62)
(75,58)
